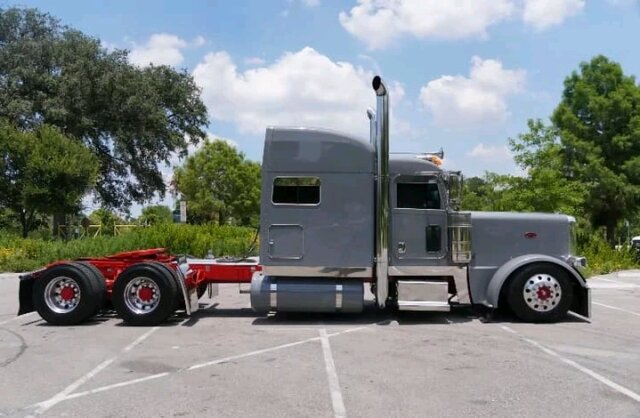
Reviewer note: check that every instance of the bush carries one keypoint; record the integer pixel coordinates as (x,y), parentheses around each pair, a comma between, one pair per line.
(603,259)
(18,254)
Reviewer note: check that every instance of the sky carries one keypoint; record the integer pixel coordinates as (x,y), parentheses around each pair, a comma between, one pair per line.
(464,75)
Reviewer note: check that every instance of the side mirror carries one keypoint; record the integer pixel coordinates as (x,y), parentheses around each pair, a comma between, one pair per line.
(454,184)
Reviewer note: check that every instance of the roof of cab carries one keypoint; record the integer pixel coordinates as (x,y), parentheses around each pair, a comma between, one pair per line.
(289,149)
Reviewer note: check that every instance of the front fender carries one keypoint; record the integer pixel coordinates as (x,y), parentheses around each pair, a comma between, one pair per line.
(581,305)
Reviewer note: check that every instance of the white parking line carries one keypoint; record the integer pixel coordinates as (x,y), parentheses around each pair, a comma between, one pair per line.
(44,406)
(618,388)
(339,410)
(616,308)
(200,365)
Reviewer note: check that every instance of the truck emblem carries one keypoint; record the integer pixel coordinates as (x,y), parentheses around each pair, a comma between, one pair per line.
(530,235)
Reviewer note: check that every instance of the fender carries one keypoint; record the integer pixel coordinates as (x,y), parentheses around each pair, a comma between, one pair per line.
(582,302)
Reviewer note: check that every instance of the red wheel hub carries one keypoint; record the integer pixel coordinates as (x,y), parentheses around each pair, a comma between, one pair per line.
(67,293)
(145,294)
(544,292)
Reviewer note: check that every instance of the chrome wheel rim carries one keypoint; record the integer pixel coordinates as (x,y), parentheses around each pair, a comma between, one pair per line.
(542,292)
(62,295)
(142,295)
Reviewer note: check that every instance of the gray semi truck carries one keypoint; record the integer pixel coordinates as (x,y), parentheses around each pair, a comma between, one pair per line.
(339,213)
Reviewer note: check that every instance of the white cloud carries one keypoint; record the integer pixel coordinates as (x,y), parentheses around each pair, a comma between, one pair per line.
(311,3)
(300,88)
(542,14)
(162,49)
(254,61)
(379,22)
(490,153)
(459,101)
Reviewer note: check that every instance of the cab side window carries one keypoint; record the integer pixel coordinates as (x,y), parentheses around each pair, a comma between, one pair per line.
(296,191)
(418,196)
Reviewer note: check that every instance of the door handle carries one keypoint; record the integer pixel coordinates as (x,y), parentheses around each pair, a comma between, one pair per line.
(402,247)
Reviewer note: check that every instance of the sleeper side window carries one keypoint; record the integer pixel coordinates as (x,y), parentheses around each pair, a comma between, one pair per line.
(296,191)
(418,196)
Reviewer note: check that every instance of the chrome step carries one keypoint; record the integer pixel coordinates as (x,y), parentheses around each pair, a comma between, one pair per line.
(423,295)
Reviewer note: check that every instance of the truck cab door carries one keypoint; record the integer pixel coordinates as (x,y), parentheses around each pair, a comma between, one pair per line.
(418,221)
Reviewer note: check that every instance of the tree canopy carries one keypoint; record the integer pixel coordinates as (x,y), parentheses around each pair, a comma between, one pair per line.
(130,118)
(598,120)
(155,214)
(219,185)
(42,172)
(542,186)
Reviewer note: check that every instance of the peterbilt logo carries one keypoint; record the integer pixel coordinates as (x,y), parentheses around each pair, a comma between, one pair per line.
(530,235)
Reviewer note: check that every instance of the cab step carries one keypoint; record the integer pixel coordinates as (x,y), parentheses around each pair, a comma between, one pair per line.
(423,295)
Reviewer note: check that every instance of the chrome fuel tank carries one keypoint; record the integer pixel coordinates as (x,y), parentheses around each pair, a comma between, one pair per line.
(286,294)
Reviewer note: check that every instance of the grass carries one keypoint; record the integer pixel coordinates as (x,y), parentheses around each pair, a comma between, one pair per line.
(18,254)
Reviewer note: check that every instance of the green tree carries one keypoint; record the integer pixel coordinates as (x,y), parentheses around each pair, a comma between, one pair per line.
(131,118)
(598,120)
(219,185)
(107,218)
(155,214)
(43,171)
(543,186)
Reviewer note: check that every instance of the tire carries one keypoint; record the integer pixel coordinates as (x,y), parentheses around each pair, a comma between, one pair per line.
(155,305)
(59,306)
(171,273)
(99,283)
(540,293)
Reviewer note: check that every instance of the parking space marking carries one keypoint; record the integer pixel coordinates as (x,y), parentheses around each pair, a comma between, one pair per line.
(44,406)
(613,385)
(616,308)
(201,365)
(622,284)
(16,318)
(339,410)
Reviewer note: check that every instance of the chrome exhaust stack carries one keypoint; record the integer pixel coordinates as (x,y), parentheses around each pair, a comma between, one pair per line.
(371,114)
(382,189)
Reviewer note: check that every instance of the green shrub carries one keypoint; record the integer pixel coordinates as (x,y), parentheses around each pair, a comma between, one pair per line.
(18,254)
(603,259)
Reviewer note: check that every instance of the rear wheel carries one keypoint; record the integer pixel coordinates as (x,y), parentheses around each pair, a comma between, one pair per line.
(540,293)
(144,294)
(98,281)
(66,295)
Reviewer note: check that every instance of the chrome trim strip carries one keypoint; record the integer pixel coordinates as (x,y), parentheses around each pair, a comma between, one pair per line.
(339,289)
(273,296)
(423,306)
(459,274)
(304,271)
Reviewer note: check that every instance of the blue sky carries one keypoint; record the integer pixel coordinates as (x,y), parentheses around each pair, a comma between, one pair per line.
(465,75)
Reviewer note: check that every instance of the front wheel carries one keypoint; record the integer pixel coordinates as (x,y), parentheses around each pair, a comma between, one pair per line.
(540,293)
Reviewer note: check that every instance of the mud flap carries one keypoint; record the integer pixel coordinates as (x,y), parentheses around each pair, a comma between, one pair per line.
(26,294)
(582,305)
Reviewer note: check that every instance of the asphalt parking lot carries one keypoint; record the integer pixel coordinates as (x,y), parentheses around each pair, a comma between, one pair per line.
(226,361)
